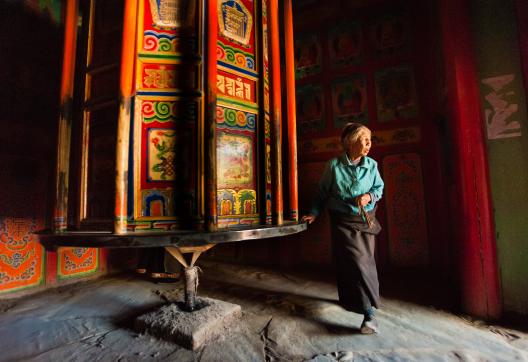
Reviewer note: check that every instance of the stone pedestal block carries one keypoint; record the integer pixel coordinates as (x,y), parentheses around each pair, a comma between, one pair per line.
(191,330)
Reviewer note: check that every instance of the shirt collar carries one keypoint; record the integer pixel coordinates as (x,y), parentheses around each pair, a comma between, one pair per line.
(348,162)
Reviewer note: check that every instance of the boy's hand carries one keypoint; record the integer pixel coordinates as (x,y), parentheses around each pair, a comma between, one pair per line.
(364,199)
(308,218)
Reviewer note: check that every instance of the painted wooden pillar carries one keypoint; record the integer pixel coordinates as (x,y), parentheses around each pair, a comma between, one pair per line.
(266,106)
(211,30)
(60,221)
(276,112)
(291,110)
(128,53)
(474,229)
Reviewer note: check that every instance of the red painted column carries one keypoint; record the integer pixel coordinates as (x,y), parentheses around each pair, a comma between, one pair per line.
(211,35)
(276,112)
(128,55)
(291,109)
(471,206)
(60,217)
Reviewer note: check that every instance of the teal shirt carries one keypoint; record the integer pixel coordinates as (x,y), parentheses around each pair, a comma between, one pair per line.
(342,182)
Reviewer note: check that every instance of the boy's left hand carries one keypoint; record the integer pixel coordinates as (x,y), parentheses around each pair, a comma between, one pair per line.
(364,199)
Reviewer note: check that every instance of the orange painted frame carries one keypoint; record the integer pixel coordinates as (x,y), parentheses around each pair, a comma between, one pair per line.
(291,112)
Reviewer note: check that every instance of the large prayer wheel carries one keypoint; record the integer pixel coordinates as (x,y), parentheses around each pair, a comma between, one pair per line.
(172,117)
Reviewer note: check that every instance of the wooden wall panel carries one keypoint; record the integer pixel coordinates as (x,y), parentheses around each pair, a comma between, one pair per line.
(406,218)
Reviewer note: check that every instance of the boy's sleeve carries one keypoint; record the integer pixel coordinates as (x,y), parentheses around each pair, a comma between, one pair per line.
(376,191)
(323,190)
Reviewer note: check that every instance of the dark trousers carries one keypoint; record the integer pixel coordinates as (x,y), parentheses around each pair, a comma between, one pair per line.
(353,245)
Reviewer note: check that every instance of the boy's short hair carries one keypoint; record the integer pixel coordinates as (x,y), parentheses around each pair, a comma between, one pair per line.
(352,131)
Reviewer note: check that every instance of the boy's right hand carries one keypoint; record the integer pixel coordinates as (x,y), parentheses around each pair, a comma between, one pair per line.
(308,218)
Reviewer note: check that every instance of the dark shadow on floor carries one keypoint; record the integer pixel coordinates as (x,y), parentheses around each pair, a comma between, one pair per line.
(418,287)
(414,286)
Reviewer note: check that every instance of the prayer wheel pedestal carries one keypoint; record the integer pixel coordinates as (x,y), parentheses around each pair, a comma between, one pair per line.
(191,330)
(191,277)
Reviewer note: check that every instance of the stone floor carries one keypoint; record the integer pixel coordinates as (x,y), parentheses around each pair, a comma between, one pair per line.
(286,316)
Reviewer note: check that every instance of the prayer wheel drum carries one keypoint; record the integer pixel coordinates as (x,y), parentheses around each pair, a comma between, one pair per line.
(172,123)
(183,99)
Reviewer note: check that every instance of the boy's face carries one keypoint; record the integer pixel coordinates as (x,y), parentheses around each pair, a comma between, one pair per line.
(361,147)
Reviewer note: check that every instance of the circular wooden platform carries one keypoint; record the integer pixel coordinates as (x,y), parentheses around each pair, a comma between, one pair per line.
(180,238)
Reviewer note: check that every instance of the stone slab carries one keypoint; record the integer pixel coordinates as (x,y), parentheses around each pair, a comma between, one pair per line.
(191,330)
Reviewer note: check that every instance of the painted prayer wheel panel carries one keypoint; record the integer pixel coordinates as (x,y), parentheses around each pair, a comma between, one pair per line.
(237,113)
(168,114)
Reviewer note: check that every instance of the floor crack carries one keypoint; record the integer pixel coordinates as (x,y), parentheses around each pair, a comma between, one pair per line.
(270,346)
